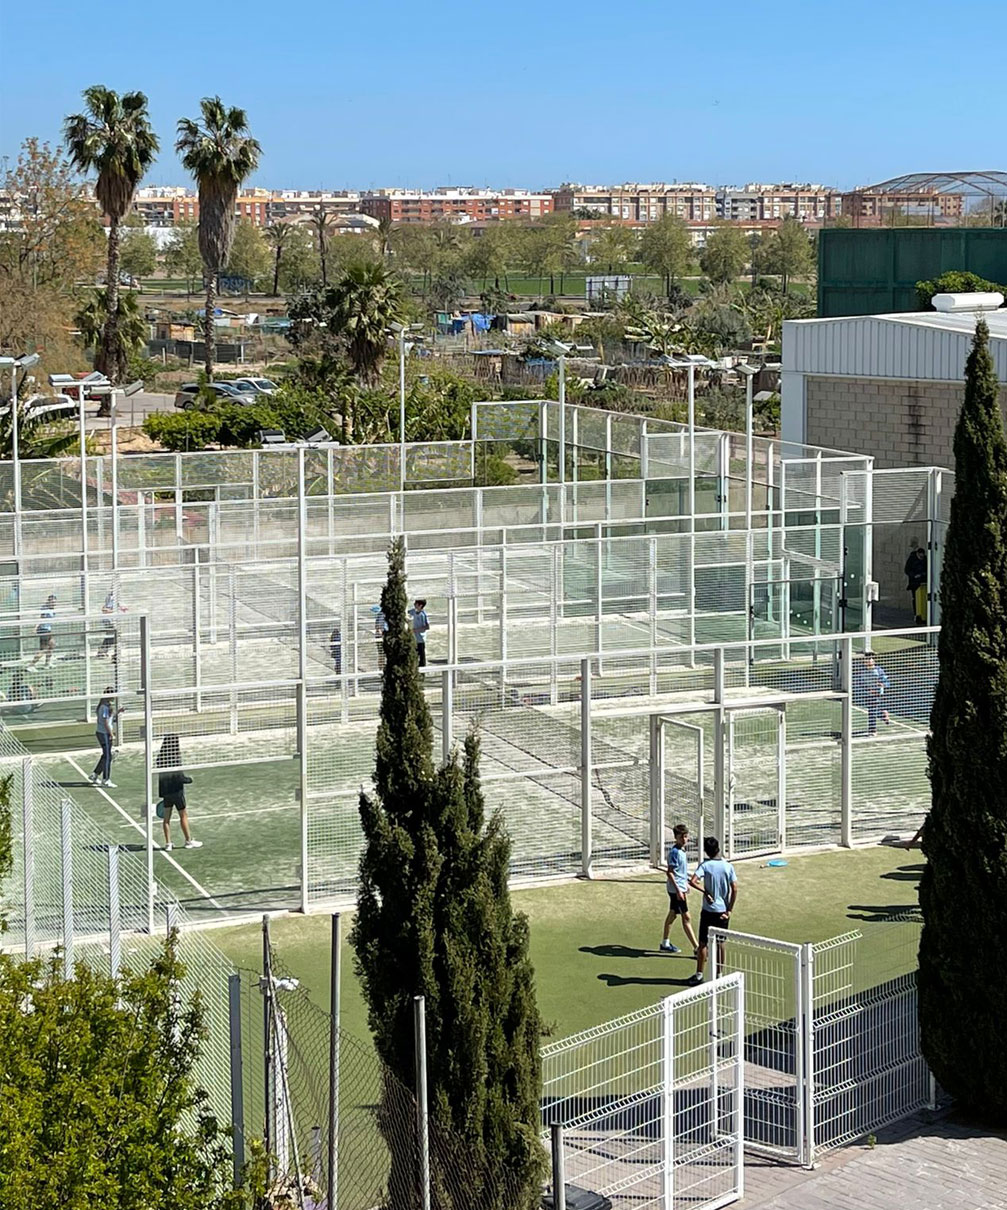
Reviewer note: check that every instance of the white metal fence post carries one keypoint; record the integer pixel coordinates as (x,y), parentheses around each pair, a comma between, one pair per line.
(806,1024)
(558,1167)
(114,913)
(302,671)
(66,880)
(28,852)
(335,1007)
(148,764)
(197,638)
(586,841)
(668,1103)
(447,705)
(720,820)
(657,790)
(846,741)
(422,1118)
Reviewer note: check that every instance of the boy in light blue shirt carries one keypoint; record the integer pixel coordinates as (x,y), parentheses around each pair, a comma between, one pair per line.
(678,888)
(716,878)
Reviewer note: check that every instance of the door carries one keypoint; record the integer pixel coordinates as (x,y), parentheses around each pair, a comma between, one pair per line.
(755,781)
(682,790)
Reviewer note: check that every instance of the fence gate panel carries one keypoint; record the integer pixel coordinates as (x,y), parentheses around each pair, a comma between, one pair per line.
(684,781)
(755,781)
(651,1104)
(775,1047)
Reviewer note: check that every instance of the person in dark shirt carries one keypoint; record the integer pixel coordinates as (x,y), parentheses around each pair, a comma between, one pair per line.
(336,649)
(916,575)
(171,785)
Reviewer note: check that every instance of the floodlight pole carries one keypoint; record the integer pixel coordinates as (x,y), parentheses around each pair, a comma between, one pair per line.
(691,371)
(114,451)
(562,417)
(402,408)
(749,446)
(83,483)
(16,455)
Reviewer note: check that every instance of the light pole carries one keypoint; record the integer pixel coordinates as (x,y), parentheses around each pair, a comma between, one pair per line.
(560,351)
(24,362)
(113,416)
(749,371)
(400,331)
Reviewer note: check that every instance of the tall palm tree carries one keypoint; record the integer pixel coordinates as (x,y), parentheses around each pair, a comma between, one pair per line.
(322,220)
(221,155)
(92,318)
(112,136)
(278,236)
(360,308)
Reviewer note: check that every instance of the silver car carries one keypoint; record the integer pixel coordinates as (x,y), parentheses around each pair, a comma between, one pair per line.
(258,386)
(226,391)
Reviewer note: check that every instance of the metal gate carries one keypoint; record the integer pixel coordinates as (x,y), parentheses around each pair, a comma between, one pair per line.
(756,781)
(651,1105)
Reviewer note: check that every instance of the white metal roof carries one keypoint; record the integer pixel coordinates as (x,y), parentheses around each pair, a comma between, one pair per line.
(911,345)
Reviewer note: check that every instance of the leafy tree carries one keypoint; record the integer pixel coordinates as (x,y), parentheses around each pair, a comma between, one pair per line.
(666,248)
(722,322)
(434,918)
(221,155)
(299,268)
(181,254)
(99,1105)
(112,137)
(250,256)
(613,247)
(955,281)
(725,255)
(138,253)
(965,834)
(57,243)
(787,253)
(489,255)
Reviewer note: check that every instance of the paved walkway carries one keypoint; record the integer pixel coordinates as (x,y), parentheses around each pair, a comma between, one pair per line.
(947,1164)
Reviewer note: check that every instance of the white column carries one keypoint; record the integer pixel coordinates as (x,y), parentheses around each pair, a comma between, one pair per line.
(586,842)
(846,741)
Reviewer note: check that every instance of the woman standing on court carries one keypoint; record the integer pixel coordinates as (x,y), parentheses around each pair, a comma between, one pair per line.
(171,788)
(104,732)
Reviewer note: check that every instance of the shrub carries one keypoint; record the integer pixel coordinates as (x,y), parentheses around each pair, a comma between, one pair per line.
(182,431)
(955,281)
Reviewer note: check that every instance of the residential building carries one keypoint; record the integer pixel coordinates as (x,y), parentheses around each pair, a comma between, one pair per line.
(454,205)
(639,203)
(292,203)
(869,207)
(754,202)
(166,206)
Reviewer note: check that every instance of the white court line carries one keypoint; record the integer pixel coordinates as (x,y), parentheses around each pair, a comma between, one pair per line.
(132,822)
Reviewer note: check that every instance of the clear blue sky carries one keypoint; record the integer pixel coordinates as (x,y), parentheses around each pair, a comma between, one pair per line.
(349,93)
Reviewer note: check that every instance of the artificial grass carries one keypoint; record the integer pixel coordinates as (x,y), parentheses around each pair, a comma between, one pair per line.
(594,944)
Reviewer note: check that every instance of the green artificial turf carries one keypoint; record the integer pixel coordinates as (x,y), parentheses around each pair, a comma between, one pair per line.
(594,943)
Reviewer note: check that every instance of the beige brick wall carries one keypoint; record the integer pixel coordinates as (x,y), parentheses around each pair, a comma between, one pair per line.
(898,423)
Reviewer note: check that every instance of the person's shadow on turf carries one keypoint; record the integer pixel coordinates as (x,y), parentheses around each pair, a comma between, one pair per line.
(618,951)
(626,980)
(878,914)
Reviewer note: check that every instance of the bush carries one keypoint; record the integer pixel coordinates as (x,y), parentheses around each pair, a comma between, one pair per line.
(183,431)
(955,281)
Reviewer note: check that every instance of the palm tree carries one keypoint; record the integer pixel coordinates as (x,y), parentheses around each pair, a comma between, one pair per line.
(221,155)
(361,306)
(278,236)
(322,221)
(92,318)
(112,136)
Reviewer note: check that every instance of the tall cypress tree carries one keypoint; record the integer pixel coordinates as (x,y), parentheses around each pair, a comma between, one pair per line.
(963,891)
(434,918)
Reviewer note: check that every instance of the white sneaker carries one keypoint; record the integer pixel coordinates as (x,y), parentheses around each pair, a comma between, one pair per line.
(108,785)
(93,778)
(167,847)
(193,844)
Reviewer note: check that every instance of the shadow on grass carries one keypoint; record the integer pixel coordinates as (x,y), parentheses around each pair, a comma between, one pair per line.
(879,914)
(905,873)
(619,951)
(627,980)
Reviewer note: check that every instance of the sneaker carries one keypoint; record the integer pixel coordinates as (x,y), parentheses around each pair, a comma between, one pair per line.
(167,847)
(667,948)
(93,778)
(193,844)
(108,785)
(695,980)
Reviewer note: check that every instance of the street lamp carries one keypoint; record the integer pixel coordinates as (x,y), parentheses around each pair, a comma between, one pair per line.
(400,331)
(560,351)
(25,362)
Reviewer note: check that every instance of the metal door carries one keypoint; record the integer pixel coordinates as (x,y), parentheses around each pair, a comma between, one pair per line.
(756,781)
(682,792)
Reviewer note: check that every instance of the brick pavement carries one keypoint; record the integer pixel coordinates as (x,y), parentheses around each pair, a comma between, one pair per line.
(920,1164)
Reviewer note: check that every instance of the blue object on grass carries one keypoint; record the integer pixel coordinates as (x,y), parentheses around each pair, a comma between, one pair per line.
(777,861)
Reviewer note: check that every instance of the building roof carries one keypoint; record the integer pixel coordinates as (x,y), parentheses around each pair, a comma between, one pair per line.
(911,345)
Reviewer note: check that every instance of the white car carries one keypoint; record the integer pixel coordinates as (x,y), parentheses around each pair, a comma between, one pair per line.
(51,407)
(261,386)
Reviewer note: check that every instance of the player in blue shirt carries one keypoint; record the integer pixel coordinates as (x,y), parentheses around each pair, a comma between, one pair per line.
(716,878)
(678,888)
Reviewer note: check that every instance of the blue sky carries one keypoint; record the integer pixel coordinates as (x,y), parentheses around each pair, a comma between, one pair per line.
(356,94)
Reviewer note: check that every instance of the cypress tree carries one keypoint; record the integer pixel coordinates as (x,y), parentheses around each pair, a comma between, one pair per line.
(434,918)
(963,947)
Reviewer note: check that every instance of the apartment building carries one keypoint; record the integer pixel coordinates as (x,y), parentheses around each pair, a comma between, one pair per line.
(868,207)
(763,203)
(166,206)
(639,203)
(296,203)
(454,205)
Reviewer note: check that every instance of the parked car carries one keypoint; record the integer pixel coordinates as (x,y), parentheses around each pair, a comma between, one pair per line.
(224,390)
(261,386)
(51,407)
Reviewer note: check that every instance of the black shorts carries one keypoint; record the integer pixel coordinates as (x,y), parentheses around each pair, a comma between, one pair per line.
(44,642)
(711,920)
(174,801)
(679,906)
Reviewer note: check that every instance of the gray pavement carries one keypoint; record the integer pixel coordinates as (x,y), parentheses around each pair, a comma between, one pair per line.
(945,1164)
(132,411)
